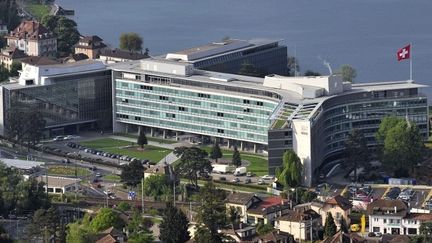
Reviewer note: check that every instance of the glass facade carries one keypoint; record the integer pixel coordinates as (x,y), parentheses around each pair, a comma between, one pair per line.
(192,110)
(76,99)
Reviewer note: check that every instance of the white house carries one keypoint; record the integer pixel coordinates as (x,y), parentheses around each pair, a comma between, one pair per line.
(59,185)
(393,217)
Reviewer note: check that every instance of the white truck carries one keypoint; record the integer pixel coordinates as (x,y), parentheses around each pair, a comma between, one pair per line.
(240,171)
(222,169)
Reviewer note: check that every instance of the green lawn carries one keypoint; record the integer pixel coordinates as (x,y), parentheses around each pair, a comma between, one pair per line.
(115,146)
(105,143)
(67,171)
(38,10)
(111,177)
(258,163)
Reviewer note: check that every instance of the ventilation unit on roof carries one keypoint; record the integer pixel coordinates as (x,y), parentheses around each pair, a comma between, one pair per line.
(223,79)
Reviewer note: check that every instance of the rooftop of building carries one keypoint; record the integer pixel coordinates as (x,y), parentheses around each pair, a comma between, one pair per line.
(225,46)
(268,205)
(117,53)
(297,90)
(90,42)
(57,181)
(21,164)
(298,216)
(340,201)
(13,53)
(32,30)
(240,198)
(419,216)
(39,61)
(387,207)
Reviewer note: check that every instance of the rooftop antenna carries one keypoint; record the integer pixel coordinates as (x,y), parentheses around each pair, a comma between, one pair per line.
(327,64)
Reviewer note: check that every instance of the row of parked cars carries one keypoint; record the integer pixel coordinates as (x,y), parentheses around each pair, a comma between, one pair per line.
(360,192)
(396,193)
(106,154)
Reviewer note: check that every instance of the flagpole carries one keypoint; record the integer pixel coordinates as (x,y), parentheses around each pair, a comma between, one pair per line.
(411,58)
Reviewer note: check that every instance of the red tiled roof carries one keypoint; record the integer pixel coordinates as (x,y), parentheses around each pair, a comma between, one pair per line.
(420,216)
(268,205)
(31,30)
(107,239)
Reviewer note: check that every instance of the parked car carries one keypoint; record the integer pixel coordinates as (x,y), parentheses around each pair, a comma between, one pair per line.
(355,227)
(407,194)
(393,193)
(222,178)
(248,181)
(58,138)
(98,174)
(249,174)
(267,177)
(236,180)
(261,182)
(428,204)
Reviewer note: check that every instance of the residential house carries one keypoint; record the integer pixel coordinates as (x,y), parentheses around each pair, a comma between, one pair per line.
(111,235)
(274,237)
(300,224)
(59,185)
(75,58)
(341,237)
(109,56)
(253,209)
(33,39)
(240,232)
(8,56)
(91,46)
(338,206)
(241,201)
(393,217)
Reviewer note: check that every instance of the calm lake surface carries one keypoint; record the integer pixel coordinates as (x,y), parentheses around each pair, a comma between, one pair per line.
(363,33)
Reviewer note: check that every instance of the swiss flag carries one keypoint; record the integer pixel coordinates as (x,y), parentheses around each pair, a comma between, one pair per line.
(404,53)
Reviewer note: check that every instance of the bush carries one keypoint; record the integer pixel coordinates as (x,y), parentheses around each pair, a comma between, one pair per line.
(123,206)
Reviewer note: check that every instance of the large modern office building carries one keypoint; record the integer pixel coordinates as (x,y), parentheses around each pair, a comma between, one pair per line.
(311,115)
(228,56)
(70,96)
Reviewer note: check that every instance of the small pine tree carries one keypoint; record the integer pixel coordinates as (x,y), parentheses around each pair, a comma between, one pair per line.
(330,226)
(174,226)
(236,159)
(216,152)
(142,139)
(343,225)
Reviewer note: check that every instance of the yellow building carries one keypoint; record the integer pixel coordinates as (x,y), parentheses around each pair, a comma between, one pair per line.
(91,46)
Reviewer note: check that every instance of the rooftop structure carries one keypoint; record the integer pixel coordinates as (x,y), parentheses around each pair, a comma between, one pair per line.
(91,46)
(59,184)
(10,55)
(228,56)
(114,56)
(311,115)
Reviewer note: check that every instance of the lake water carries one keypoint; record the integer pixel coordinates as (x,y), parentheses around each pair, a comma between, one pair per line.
(363,33)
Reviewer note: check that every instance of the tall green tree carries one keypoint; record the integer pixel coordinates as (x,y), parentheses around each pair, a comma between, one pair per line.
(386,124)
(348,73)
(139,228)
(25,125)
(193,163)
(45,224)
(236,159)
(142,139)
(174,226)
(216,152)
(66,31)
(106,218)
(344,226)
(290,174)
(329,226)
(132,173)
(16,66)
(356,151)
(403,148)
(211,214)
(155,185)
(233,215)
(131,42)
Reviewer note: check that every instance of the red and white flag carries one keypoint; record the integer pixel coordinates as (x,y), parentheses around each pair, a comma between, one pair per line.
(404,53)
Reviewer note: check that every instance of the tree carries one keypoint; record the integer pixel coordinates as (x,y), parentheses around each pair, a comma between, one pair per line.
(386,124)
(403,147)
(233,215)
(193,162)
(4,73)
(45,223)
(78,233)
(290,174)
(155,185)
(123,206)
(139,228)
(263,229)
(106,218)
(236,159)
(16,66)
(293,66)
(348,73)
(66,31)
(356,151)
(142,139)
(216,152)
(330,226)
(132,173)
(25,125)
(343,225)
(311,73)
(426,228)
(131,42)
(307,196)
(211,214)
(174,226)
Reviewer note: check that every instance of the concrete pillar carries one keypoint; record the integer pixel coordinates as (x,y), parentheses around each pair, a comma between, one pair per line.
(229,143)
(241,145)
(127,128)
(164,133)
(139,130)
(151,132)
(255,148)
(177,136)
